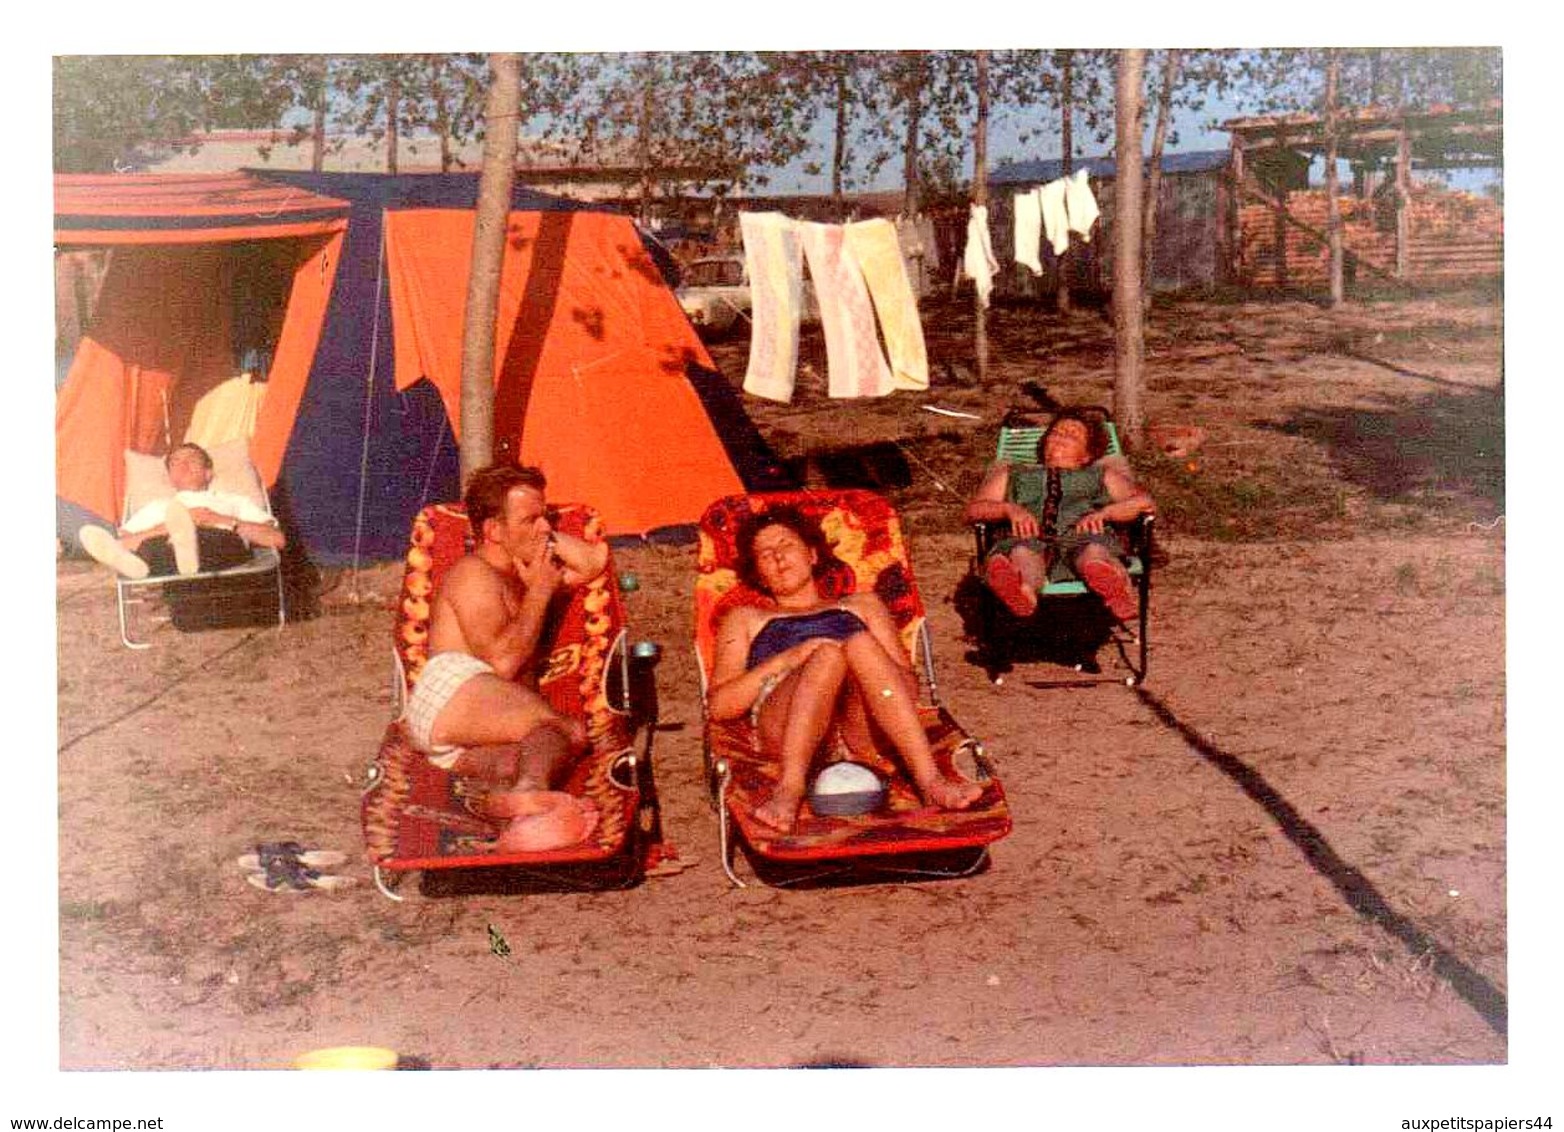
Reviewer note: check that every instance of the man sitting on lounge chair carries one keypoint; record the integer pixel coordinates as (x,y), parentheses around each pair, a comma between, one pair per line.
(194,531)
(468,712)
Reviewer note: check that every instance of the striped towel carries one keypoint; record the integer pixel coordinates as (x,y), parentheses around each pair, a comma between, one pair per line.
(855,364)
(774,259)
(875,245)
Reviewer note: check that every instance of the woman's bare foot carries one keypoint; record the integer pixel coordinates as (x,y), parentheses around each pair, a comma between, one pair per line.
(950,793)
(780,811)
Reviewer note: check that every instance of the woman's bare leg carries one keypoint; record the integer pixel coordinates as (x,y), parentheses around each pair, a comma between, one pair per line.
(793,722)
(1106,577)
(891,704)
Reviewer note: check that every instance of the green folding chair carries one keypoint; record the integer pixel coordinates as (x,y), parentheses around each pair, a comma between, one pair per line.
(999,631)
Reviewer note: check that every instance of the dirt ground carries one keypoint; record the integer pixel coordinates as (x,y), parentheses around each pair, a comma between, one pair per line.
(1287,847)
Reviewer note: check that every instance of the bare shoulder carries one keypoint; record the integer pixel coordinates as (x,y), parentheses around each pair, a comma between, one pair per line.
(471,578)
(742,618)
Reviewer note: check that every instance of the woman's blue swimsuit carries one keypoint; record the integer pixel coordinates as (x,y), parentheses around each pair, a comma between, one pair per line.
(782,633)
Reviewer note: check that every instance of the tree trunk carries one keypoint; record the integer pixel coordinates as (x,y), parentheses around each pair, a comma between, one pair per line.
(839,150)
(1128,332)
(318,151)
(1154,172)
(914,78)
(1066,160)
(442,116)
(980,198)
(393,113)
(644,138)
(1332,209)
(488,253)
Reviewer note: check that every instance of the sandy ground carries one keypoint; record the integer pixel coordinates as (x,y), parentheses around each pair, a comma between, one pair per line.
(1288,847)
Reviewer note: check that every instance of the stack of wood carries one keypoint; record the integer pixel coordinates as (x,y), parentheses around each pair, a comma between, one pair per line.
(1453,235)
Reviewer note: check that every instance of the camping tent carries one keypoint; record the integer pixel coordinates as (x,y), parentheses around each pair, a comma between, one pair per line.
(599,378)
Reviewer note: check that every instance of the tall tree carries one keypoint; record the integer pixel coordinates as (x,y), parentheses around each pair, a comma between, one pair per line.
(1159,136)
(1332,205)
(980,200)
(1128,330)
(712,120)
(495,183)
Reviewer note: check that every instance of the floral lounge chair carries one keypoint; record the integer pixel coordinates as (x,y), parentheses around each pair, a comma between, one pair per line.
(417,817)
(904,837)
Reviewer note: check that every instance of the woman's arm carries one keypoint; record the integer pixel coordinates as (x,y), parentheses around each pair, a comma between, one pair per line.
(989,505)
(1127,500)
(733,687)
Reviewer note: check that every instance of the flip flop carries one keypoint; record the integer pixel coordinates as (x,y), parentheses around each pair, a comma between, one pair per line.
(268,851)
(286,874)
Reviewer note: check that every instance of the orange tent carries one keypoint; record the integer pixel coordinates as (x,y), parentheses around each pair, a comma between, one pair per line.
(162,334)
(591,357)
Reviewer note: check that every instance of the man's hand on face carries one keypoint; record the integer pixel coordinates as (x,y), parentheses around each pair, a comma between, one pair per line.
(544,572)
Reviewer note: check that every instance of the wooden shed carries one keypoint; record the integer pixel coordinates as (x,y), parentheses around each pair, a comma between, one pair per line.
(1393,228)
(1191,245)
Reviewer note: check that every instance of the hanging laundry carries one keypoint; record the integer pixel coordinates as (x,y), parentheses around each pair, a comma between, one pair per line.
(773,257)
(1056,221)
(874,244)
(226,412)
(855,364)
(1027,211)
(978,262)
(1080,204)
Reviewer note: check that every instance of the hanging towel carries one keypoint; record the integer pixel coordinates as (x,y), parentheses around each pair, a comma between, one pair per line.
(874,244)
(1056,221)
(774,259)
(226,412)
(855,364)
(978,260)
(1028,214)
(1080,204)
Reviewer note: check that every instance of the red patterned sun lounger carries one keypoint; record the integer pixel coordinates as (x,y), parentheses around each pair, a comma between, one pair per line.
(904,835)
(417,817)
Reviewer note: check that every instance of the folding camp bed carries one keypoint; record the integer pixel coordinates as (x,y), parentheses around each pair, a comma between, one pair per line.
(1068,615)
(903,837)
(417,817)
(248,593)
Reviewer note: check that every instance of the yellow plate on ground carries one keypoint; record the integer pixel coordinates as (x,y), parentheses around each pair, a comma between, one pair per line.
(348,1057)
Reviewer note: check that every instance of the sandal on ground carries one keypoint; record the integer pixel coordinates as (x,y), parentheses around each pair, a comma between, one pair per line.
(1009,586)
(268,851)
(287,874)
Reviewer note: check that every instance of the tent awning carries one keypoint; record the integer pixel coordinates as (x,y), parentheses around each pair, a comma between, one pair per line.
(179,209)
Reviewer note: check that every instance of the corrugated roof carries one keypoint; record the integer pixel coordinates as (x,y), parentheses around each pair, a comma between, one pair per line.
(1043,170)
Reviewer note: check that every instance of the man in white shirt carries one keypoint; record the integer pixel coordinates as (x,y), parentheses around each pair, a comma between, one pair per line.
(198,529)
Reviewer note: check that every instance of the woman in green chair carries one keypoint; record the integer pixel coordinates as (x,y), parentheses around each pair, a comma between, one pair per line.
(1059,512)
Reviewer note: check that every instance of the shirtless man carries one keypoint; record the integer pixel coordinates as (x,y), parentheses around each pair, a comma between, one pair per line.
(468,712)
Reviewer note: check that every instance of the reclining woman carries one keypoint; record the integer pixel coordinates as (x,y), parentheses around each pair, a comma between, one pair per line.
(1059,515)
(806,663)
